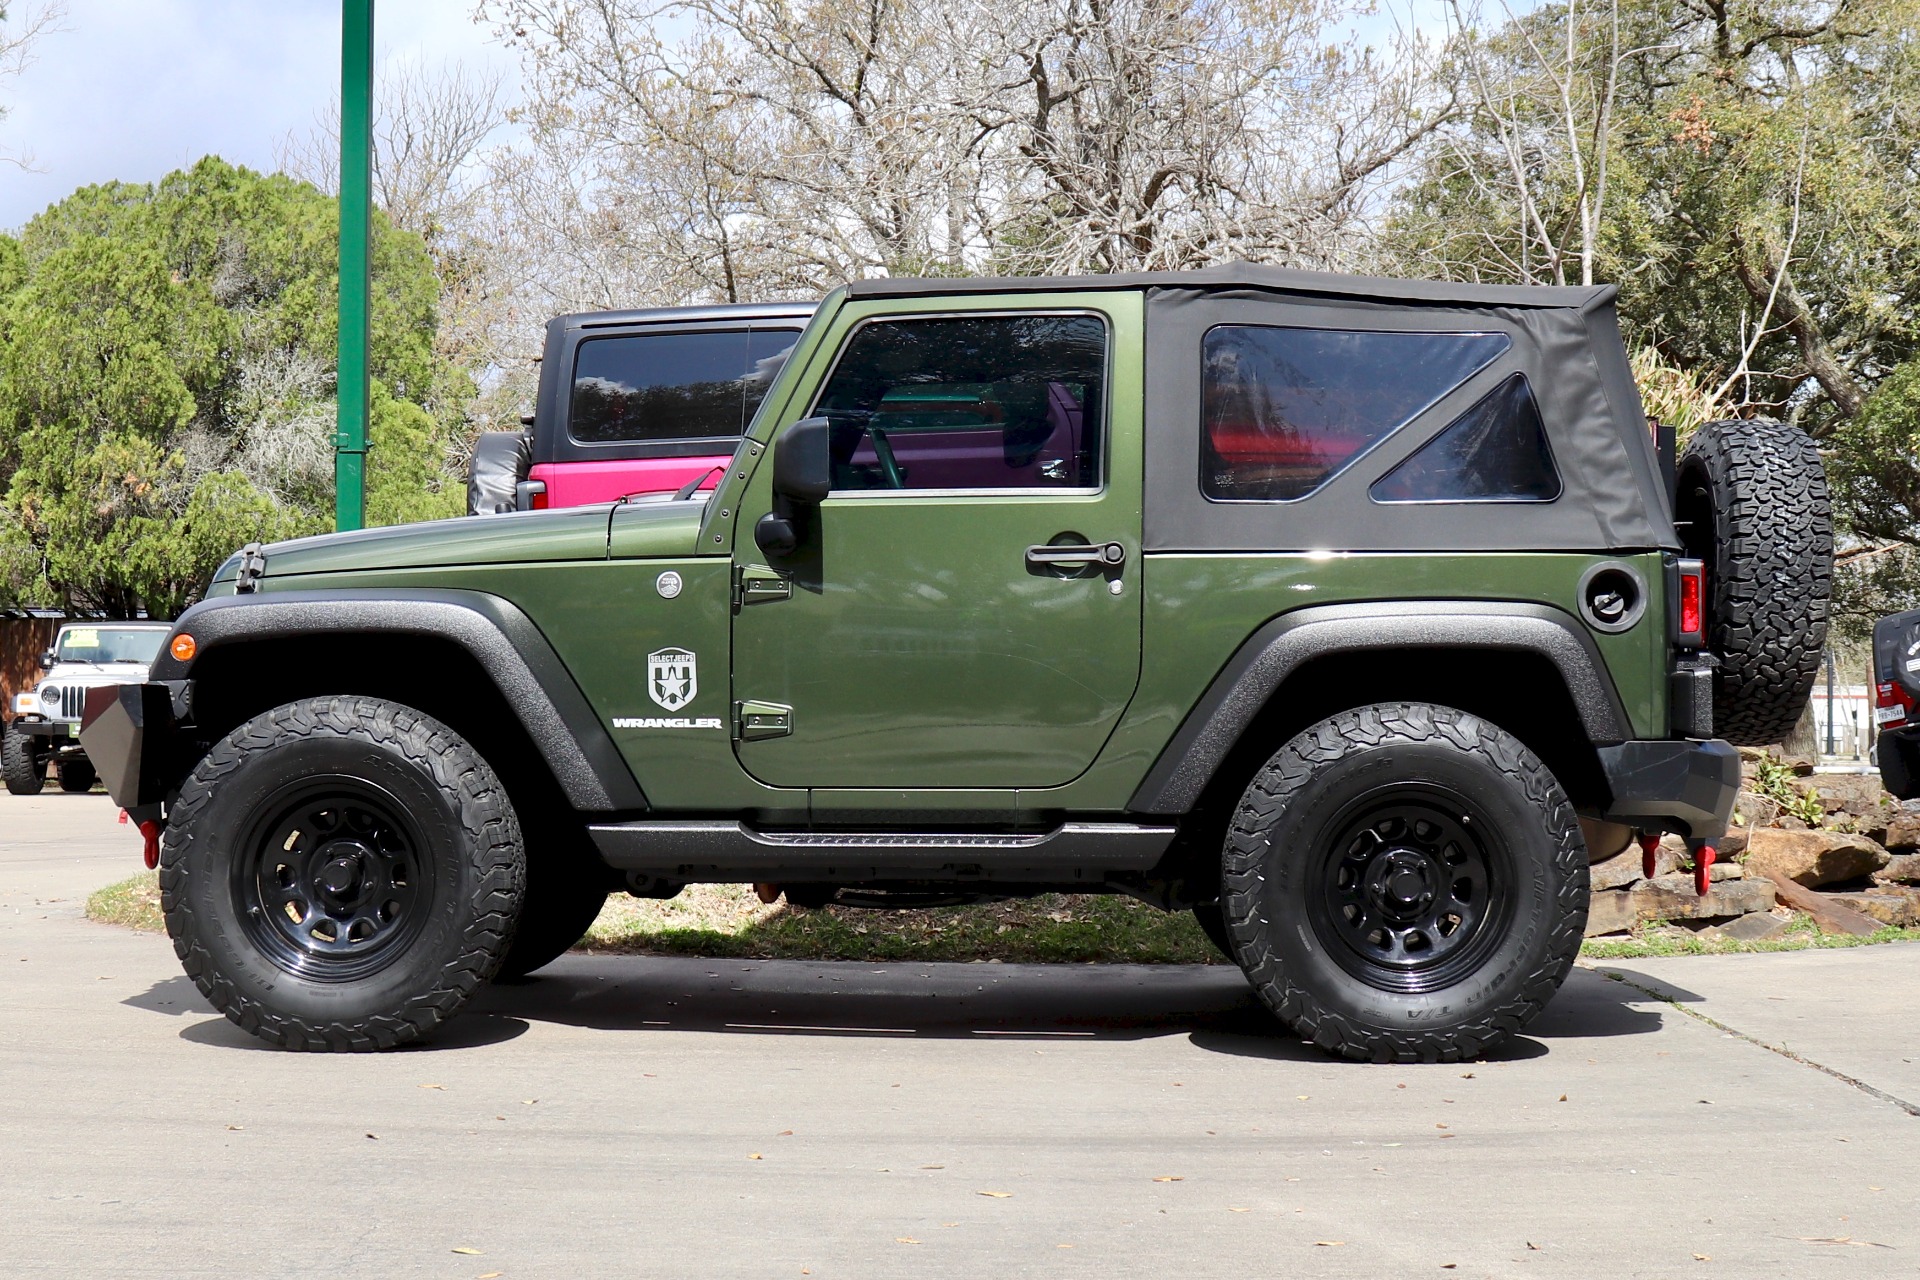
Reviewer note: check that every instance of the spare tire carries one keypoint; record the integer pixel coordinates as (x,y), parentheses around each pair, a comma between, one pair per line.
(1752,503)
(500,461)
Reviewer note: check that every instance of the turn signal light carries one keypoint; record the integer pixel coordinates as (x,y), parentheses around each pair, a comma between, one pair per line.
(1690,617)
(183,648)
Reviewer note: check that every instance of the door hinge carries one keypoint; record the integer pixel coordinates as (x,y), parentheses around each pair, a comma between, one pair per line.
(757,584)
(755,720)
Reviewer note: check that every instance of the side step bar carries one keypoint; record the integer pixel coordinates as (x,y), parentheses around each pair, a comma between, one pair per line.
(729,851)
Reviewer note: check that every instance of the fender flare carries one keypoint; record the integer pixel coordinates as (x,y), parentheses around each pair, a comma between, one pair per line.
(524,668)
(1274,652)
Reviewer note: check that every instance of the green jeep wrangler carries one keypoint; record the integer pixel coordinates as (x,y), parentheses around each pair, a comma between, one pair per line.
(1349,614)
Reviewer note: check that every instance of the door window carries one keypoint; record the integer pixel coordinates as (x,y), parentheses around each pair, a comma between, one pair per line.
(673,386)
(1284,410)
(968,403)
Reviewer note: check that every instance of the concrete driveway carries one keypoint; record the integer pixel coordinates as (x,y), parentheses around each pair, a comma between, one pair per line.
(668,1117)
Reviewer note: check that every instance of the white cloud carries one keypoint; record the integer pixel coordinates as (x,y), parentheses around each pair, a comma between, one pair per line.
(133,89)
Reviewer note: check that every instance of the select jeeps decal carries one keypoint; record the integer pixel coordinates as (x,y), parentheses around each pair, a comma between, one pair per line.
(672,678)
(672,681)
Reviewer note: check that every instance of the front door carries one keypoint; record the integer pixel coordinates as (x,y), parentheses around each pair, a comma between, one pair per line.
(967,613)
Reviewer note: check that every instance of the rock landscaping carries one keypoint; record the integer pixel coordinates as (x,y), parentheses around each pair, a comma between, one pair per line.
(1835,847)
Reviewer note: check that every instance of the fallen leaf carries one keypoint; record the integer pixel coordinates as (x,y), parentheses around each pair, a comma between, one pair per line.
(753,1155)
(905,1240)
(1063,1246)
(933,1166)
(1301,1097)
(1329,1244)
(433,1086)
(1466,1075)
(237,1128)
(1531,1245)
(1172,1177)
(1439,1126)
(997,1195)
(374,1136)
(1861,1244)
(466,1250)
(527,1102)
(784,1133)
(1703,1257)
(1563,1097)
(489,1275)
(1869,1188)
(1234,1208)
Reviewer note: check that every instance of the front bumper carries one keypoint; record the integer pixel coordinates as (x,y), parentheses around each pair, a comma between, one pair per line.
(59,730)
(128,732)
(1687,787)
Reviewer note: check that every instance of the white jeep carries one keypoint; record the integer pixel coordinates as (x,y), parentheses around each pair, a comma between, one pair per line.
(46,720)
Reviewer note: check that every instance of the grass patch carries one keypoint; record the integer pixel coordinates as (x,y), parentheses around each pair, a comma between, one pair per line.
(134,903)
(726,921)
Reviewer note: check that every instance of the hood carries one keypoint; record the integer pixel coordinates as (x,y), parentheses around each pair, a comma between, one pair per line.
(575,533)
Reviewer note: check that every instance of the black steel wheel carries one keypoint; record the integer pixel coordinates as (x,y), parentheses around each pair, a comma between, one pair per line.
(333,881)
(24,766)
(1413,888)
(1404,883)
(341,874)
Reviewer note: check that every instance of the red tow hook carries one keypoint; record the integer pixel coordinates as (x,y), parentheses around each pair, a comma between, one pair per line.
(1703,858)
(1649,854)
(150,833)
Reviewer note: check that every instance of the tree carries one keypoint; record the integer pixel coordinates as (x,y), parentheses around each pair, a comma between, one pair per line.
(166,369)
(22,27)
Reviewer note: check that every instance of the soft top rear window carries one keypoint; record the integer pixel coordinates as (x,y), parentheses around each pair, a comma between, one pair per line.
(673,386)
(1284,409)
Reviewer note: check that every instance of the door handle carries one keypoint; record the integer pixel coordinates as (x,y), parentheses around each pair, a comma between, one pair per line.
(1101,555)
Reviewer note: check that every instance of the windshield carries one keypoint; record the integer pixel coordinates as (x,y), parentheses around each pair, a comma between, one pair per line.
(109,644)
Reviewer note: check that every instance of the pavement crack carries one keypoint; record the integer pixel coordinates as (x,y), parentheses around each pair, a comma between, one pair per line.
(1872,1092)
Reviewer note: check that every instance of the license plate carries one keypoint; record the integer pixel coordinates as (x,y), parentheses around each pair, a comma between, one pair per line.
(1883,714)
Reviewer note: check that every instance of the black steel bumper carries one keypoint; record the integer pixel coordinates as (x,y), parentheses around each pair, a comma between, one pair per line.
(1686,787)
(58,730)
(128,731)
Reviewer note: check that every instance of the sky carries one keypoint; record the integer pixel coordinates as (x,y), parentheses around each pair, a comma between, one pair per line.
(130,90)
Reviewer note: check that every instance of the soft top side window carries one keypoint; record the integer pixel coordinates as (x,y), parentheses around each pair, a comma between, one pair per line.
(673,386)
(1285,409)
(969,402)
(1496,451)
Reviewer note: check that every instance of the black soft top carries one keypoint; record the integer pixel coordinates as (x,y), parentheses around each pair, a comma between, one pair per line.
(1564,340)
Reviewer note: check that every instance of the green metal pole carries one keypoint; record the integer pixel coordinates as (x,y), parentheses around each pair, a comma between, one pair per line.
(356,285)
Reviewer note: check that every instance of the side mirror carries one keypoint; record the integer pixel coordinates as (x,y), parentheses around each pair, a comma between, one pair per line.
(802,478)
(47,660)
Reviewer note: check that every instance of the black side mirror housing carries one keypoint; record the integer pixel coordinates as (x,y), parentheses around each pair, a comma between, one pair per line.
(802,478)
(47,660)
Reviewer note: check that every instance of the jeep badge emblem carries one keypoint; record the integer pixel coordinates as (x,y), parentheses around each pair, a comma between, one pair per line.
(668,584)
(671,679)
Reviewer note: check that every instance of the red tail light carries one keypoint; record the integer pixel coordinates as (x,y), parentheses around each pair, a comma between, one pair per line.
(1892,704)
(540,500)
(1690,620)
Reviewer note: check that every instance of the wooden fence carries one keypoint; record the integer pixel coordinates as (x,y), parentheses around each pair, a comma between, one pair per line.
(22,641)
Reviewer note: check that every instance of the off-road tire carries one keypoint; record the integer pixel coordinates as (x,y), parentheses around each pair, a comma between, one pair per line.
(471,871)
(76,776)
(567,885)
(1753,504)
(25,768)
(1288,824)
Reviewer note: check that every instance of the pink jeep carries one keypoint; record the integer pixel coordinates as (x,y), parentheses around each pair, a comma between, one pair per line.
(635,402)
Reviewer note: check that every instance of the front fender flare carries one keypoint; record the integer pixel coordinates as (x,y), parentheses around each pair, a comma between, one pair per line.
(1274,652)
(509,648)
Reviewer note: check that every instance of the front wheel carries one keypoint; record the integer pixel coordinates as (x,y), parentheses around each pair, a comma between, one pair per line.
(77,775)
(1405,883)
(24,767)
(341,874)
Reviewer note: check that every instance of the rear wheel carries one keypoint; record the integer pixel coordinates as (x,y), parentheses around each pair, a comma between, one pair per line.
(77,774)
(25,768)
(1405,883)
(341,874)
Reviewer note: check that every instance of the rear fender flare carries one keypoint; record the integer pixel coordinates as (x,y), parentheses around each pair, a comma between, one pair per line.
(1270,655)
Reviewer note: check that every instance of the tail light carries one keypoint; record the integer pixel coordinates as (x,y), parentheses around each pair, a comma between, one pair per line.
(530,495)
(1690,613)
(1892,704)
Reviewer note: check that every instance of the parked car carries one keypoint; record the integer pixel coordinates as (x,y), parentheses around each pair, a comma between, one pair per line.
(1896,686)
(635,402)
(46,719)
(1349,614)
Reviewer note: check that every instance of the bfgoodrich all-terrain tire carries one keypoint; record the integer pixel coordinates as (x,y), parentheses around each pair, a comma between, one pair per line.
(1405,883)
(25,769)
(341,874)
(1753,504)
